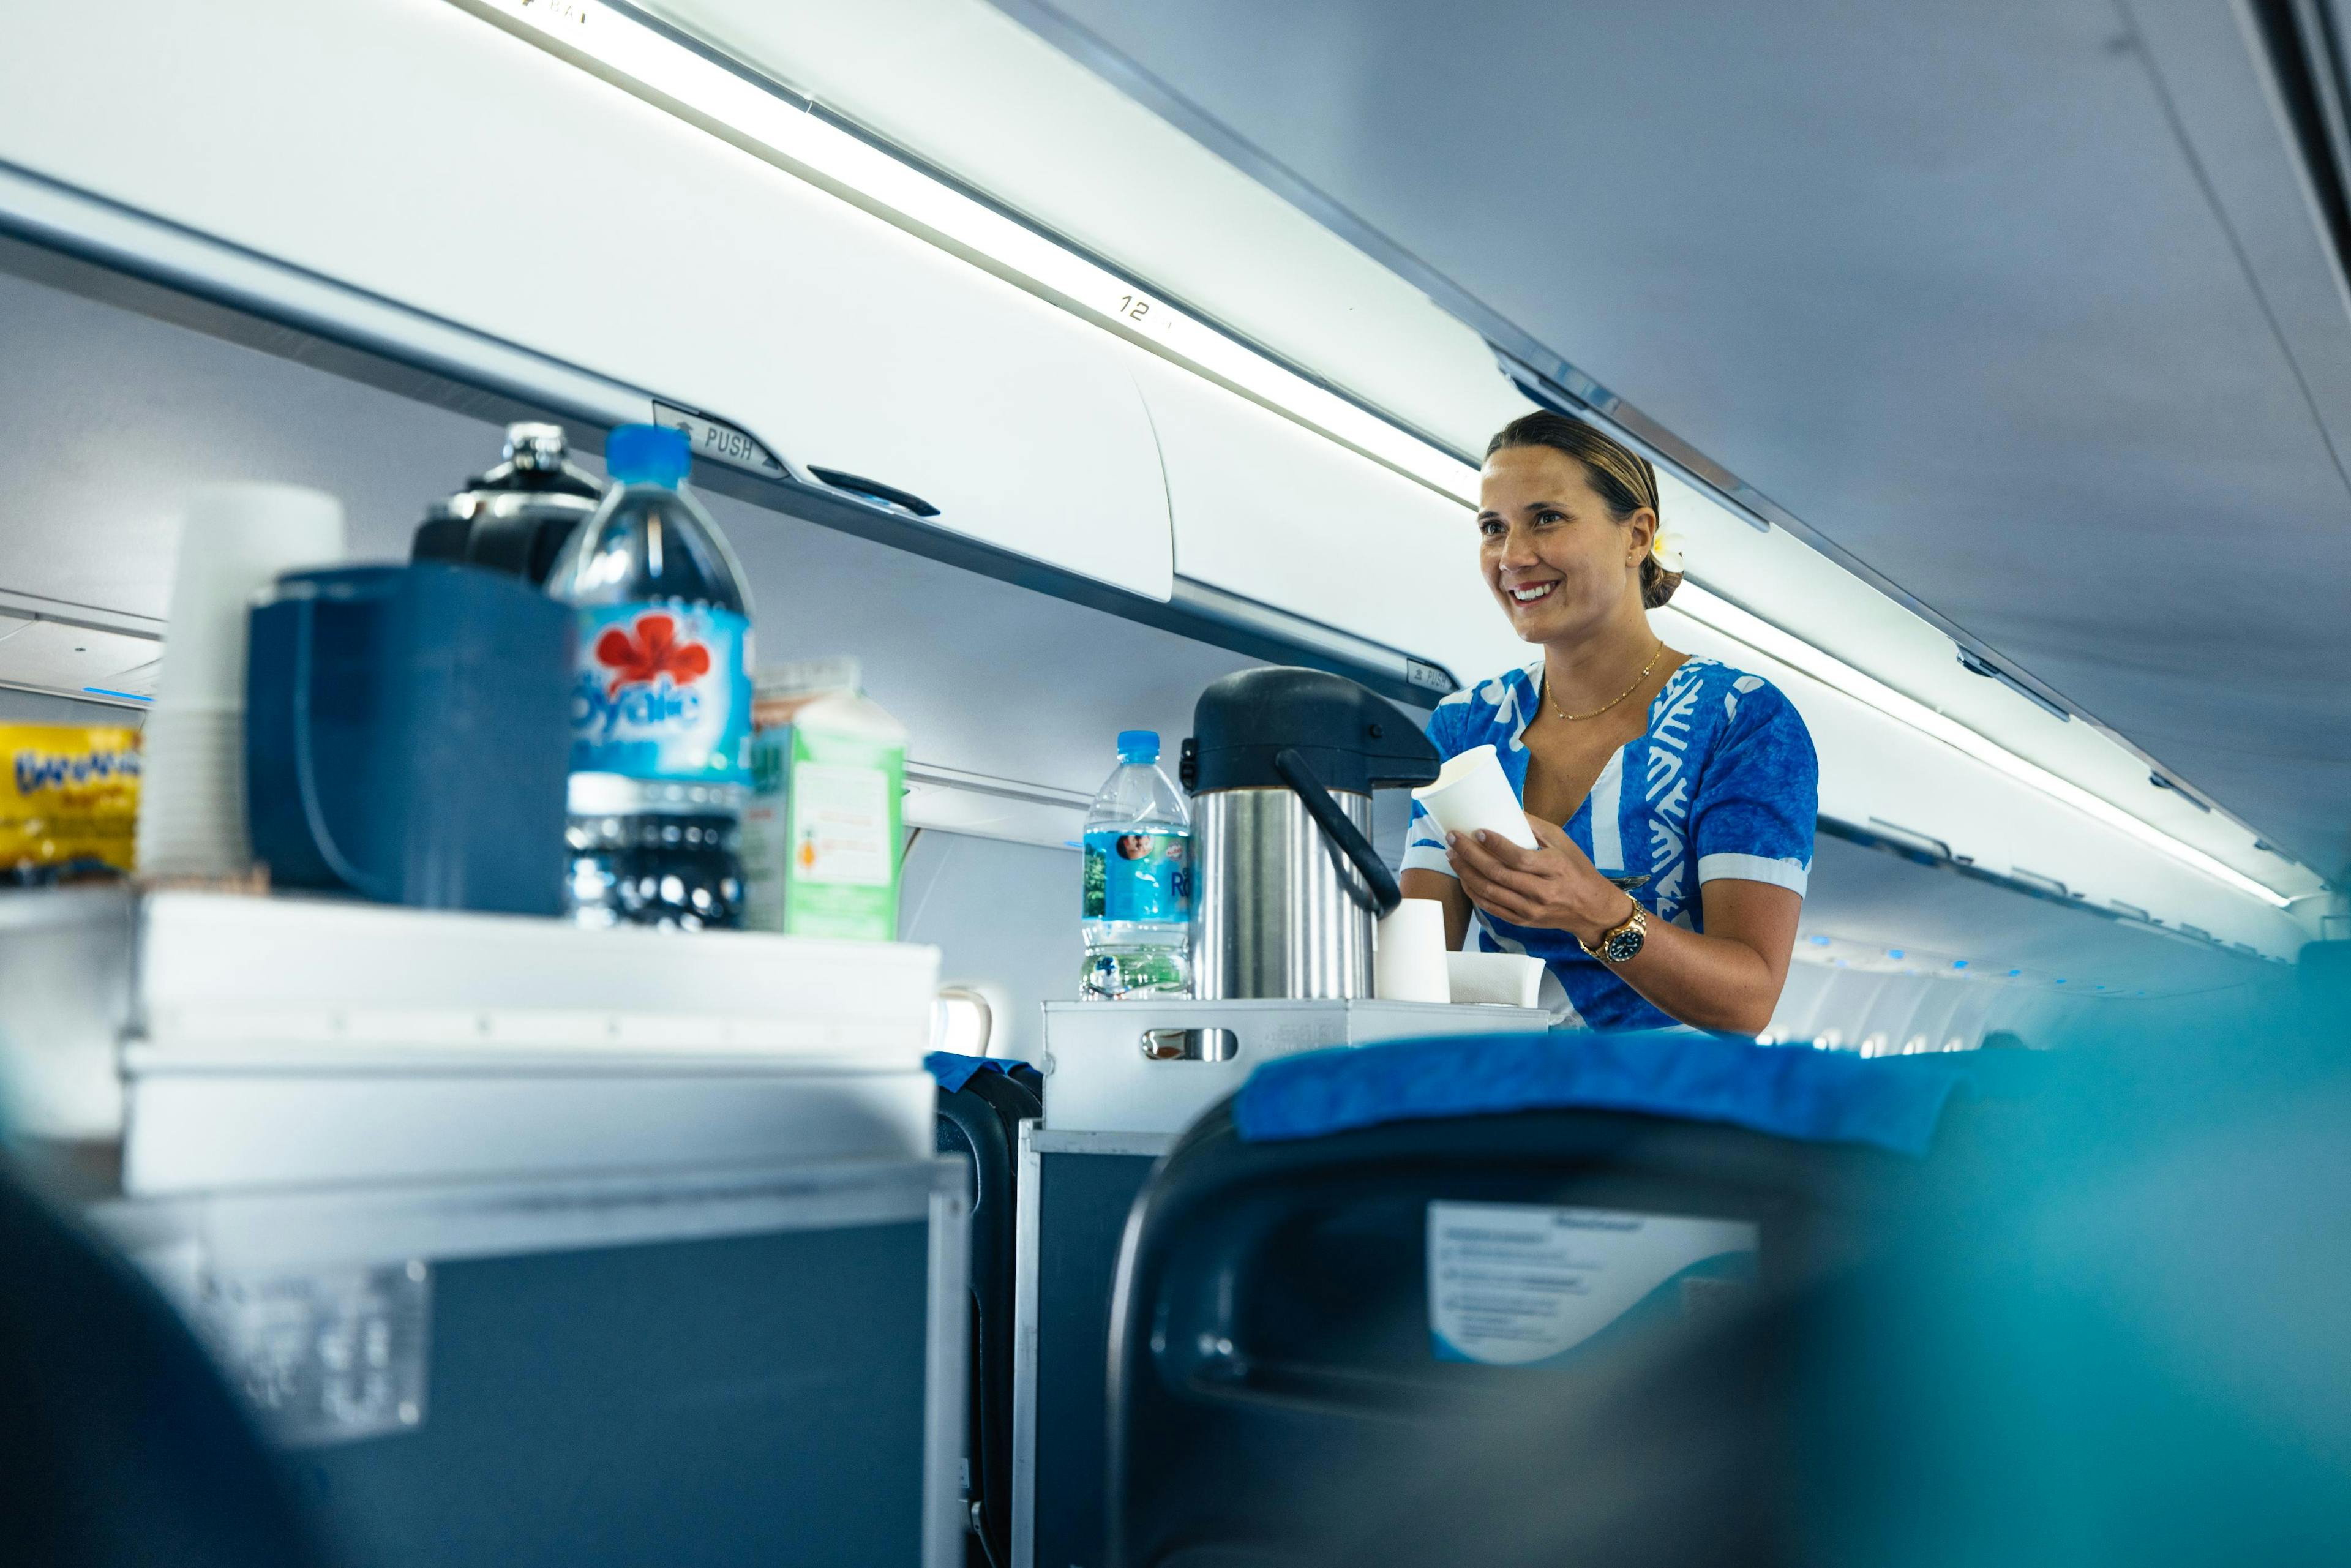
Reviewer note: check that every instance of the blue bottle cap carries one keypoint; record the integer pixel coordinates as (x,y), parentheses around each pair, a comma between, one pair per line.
(1138,745)
(647,454)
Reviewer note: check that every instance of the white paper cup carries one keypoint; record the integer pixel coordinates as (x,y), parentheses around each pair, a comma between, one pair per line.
(1472,794)
(1495,979)
(1408,954)
(233,542)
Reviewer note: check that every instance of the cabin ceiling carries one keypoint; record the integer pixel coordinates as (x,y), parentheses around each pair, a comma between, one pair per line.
(2024,304)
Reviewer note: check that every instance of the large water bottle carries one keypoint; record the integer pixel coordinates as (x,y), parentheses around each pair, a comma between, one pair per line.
(1138,881)
(660,703)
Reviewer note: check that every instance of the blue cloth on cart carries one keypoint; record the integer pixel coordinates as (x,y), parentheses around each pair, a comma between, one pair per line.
(954,1070)
(1790,1091)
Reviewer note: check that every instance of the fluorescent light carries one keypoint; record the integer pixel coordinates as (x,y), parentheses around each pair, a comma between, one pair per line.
(1719,614)
(645,60)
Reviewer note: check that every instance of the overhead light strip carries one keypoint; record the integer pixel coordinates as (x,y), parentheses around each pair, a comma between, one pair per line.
(1719,614)
(639,57)
(625,49)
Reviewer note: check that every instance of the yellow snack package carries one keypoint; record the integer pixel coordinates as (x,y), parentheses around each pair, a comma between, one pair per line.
(68,801)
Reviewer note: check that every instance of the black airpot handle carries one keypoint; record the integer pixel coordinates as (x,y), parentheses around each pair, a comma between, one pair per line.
(1380,882)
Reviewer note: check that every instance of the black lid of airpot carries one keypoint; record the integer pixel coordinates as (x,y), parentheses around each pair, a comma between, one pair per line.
(1352,738)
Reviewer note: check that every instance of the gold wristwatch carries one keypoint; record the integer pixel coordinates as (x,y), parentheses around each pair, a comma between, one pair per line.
(1621,941)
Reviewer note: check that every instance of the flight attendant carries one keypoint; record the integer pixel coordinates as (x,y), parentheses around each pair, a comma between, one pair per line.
(1674,797)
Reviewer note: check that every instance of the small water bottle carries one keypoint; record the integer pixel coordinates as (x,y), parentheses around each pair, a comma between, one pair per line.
(661,698)
(1137,910)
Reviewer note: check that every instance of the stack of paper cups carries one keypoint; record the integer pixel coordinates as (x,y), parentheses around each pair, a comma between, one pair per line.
(1495,979)
(1408,954)
(233,543)
(1472,794)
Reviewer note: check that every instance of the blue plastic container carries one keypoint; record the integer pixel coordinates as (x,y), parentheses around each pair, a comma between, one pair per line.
(408,736)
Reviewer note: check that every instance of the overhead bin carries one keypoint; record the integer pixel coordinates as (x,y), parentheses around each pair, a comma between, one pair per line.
(420,153)
(1885,781)
(1268,509)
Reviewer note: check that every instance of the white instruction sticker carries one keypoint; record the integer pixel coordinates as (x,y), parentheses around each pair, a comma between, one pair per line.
(325,1356)
(1514,1284)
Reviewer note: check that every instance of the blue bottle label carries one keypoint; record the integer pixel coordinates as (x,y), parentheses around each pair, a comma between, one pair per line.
(663,692)
(1142,876)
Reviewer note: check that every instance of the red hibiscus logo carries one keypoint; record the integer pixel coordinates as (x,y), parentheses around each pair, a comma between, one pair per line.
(649,649)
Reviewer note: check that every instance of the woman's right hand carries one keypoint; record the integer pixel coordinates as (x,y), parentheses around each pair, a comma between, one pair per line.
(1553,886)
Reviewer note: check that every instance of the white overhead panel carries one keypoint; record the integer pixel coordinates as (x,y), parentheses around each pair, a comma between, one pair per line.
(1269,509)
(966,88)
(1907,783)
(1894,957)
(724,99)
(1880,913)
(677,262)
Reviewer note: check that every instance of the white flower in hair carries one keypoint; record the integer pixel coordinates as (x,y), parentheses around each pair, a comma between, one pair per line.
(1666,550)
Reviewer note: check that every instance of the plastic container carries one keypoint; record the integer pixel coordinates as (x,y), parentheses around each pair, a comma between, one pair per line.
(405,736)
(661,698)
(1136,913)
(824,829)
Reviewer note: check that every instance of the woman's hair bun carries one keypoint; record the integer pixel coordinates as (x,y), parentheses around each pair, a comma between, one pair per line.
(1657,584)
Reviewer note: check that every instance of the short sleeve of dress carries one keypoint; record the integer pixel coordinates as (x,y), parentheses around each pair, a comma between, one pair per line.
(1424,845)
(1760,798)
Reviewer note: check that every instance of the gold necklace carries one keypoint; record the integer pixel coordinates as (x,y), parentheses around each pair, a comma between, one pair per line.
(1620,696)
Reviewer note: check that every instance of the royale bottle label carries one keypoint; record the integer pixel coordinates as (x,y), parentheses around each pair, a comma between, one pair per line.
(663,692)
(1144,876)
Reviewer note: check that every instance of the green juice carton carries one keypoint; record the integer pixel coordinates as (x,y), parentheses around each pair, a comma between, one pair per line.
(823,830)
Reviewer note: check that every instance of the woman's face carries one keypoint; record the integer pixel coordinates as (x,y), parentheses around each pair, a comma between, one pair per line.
(1556,561)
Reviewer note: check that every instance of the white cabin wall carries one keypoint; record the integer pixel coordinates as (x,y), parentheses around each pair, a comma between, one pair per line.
(1003,915)
(115,417)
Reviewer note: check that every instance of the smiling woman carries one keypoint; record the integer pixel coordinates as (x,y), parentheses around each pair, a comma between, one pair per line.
(1673,797)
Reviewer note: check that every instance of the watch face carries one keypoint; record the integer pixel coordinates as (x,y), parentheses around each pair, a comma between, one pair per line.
(1623,945)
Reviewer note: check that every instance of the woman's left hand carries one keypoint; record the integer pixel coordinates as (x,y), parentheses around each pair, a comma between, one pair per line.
(1554,886)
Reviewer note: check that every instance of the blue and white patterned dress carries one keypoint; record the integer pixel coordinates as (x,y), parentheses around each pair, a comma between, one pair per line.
(1723,785)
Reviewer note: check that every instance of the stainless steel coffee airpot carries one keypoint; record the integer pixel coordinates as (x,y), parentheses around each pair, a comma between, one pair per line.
(1287,886)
